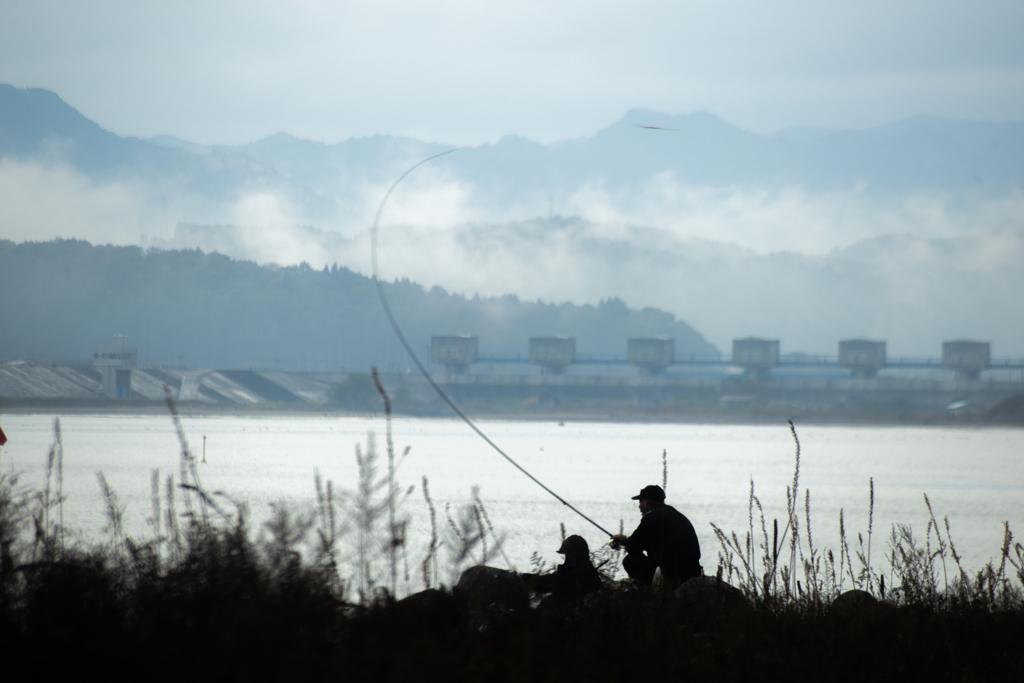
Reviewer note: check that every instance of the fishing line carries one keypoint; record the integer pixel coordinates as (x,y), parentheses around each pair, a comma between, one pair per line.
(416,360)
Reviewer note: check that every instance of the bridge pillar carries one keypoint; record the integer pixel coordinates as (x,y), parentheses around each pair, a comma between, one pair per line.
(454,352)
(756,356)
(552,354)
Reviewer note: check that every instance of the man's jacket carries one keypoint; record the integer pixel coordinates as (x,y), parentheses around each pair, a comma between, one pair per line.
(668,538)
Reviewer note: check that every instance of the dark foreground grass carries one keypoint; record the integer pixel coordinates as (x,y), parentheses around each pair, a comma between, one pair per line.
(224,617)
(207,598)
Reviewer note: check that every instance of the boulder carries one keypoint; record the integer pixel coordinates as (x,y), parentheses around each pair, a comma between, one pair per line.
(432,607)
(630,589)
(705,597)
(429,600)
(854,599)
(481,587)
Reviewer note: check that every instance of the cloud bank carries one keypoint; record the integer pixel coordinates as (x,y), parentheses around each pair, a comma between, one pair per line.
(910,290)
(42,201)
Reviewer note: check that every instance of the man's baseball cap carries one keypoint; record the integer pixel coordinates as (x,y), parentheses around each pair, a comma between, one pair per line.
(651,492)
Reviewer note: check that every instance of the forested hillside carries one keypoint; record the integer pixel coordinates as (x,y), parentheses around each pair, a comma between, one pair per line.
(62,299)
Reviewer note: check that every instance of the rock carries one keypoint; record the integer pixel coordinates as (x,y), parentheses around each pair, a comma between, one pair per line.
(630,589)
(432,607)
(854,599)
(481,587)
(425,601)
(705,597)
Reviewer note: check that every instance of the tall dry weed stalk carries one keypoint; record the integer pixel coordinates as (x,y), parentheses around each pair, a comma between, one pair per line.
(366,509)
(49,532)
(664,470)
(329,530)
(114,510)
(189,472)
(394,541)
(155,521)
(368,506)
(430,561)
(794,516)
(466,540)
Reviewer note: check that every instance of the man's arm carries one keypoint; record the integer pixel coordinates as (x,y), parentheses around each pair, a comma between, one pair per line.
(637,542)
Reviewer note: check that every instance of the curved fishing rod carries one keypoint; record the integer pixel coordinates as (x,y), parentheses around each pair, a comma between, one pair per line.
(416,360)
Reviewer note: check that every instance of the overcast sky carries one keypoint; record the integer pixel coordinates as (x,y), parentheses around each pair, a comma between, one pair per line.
(463,71)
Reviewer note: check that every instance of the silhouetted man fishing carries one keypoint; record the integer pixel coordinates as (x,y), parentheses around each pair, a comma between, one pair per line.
(667,538)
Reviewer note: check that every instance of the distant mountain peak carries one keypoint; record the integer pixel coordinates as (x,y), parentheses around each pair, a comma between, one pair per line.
(30,116)
(281,139)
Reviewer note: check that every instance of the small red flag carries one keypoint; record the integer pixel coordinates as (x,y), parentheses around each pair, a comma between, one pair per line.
(3,437)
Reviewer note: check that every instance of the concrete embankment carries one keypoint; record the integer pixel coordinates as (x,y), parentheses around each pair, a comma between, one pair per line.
(601,397)
(27,382)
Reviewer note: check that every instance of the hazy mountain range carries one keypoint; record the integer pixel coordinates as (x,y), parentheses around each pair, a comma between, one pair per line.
(912,232)
(632,170)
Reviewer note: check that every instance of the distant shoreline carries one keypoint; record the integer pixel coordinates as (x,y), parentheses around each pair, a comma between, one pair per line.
(624,415)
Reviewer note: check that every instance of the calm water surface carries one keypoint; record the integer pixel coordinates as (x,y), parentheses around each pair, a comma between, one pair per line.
(973,476)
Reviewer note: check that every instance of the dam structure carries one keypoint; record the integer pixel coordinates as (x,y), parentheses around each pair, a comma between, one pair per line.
(756,373)
(753,357)
(551,372)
